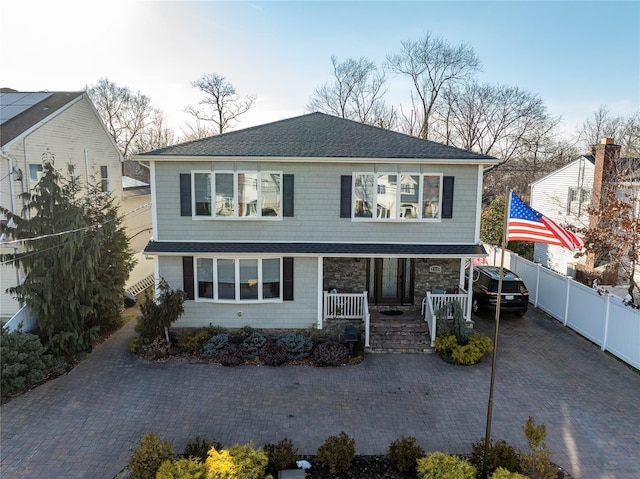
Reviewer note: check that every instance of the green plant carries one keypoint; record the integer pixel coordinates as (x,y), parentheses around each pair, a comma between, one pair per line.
(298,346)
(273,354)
(215,344)
(24,362)
(237,462)
(232,355)
(192,341)
(149,455)
(439,465)
(476,347)
(199,448)
(499,455)
(337,453)
(403,454)
(473,351)
(502,473)
(160,313)
(536,459)
(330,354)
(253,344)
(281,455)
(187,468)
(135,343)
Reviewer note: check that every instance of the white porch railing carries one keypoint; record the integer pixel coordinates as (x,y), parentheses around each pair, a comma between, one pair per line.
(348,306)
(434,302)
(23,320)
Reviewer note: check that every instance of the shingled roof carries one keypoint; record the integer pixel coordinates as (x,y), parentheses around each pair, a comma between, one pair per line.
(17,121)
(317,135)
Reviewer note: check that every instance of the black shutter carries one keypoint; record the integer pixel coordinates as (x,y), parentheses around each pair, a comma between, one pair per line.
(187,276)
(287,278)
(345,196)
(287,195)
(447,197)
(185,194)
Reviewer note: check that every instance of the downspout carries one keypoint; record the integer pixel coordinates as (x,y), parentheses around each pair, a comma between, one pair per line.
(86,165)
(12,192)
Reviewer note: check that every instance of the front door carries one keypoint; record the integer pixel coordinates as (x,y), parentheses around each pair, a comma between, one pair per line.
(391,281)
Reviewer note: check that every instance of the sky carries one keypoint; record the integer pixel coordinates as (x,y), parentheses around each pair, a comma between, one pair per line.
(575,55)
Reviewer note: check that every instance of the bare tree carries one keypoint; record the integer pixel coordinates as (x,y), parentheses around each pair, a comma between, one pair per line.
(356,93)
(432,64)
(497,120)
(625,130)
(156,135)
(221,104)
(127,115)
(196,131)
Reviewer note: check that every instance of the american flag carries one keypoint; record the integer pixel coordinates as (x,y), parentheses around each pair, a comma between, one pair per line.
(527,224)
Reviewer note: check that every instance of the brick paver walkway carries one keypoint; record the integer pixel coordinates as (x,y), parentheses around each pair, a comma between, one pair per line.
(85,424)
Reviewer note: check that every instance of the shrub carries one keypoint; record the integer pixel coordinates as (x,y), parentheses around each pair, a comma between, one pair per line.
(470,353)
(156,349)
(273,354)
(298,346)
(499,455)
(24,362)
(403,454)
(159,314)
(192,341)
(330,354)
(536,459)
(214,345)
(237,462)
(502,473)
(253,344)
(446,343)
(232,355)
(337,453)
(444,466)
(199,448)
(188,468)
(281,455)
(149,455)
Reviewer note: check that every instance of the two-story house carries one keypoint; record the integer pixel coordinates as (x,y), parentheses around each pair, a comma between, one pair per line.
(66,128)
(566,194)
(258,225)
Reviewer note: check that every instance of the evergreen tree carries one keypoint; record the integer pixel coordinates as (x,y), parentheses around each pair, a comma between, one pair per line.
(76,260)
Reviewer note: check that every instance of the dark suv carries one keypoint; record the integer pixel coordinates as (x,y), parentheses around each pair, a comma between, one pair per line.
(515,296)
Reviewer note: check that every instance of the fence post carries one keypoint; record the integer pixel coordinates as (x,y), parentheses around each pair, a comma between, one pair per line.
(537,283)
(566,306)
(606,324)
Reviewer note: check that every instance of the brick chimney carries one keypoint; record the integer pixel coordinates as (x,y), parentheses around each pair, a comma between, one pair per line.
(606,154)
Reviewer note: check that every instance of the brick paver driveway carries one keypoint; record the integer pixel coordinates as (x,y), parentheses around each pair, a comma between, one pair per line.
(85,424)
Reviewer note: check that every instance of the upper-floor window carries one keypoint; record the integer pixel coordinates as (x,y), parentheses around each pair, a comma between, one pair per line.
(239,279)
(104,178)
(237,194)
(35,172)
(577,200)
(402,196)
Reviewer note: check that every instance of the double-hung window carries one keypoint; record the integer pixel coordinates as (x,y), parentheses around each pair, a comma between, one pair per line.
(239,279)
(397,197)
(237,194)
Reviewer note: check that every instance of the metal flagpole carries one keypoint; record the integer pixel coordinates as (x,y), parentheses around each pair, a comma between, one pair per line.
(487,438)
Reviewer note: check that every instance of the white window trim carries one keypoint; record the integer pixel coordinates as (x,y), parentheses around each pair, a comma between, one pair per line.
(106,179)
(236,265)
(235,216)
(397,218)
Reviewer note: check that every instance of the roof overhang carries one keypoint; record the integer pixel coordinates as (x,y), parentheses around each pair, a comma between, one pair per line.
(315,249)
(315,159)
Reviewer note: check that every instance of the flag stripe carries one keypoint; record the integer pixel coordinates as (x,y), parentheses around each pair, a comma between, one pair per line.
(526,224)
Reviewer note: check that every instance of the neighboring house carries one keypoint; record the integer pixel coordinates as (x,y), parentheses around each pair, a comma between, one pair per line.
(566,194)
(65,125)
(258,225)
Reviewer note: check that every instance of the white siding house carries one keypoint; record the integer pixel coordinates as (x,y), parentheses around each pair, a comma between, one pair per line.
(64,125)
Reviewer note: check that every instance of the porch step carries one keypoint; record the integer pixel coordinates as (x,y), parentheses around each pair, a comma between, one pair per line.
(409,335)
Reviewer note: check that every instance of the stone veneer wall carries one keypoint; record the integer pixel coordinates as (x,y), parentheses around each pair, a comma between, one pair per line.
(349,276)
(345,274)
(424,280)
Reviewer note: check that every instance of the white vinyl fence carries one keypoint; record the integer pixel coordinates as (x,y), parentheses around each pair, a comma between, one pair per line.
(23,320)
(601,318)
